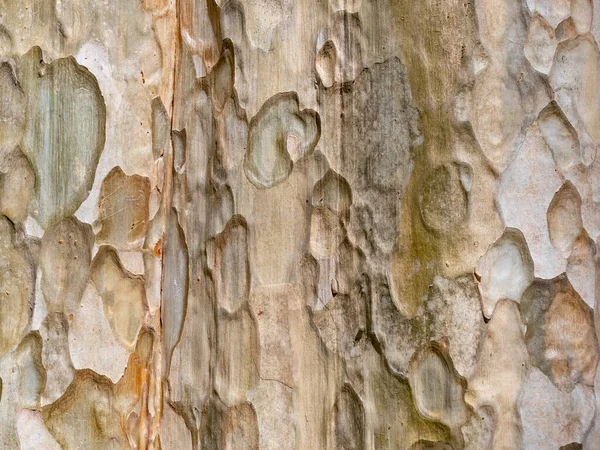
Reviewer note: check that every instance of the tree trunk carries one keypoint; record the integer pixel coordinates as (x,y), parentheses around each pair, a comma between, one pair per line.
(241,224)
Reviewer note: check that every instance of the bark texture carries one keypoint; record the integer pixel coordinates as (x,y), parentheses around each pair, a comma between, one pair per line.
(299,224)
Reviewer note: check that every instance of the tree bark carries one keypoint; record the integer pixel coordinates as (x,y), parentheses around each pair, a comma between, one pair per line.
(242,224)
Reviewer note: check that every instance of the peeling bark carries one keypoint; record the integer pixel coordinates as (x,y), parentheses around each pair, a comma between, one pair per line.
(288,224)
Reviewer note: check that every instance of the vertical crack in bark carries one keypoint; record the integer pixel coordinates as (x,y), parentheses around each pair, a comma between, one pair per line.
(160,381)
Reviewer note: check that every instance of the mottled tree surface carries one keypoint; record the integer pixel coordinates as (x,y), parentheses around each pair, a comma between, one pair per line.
(299,225)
